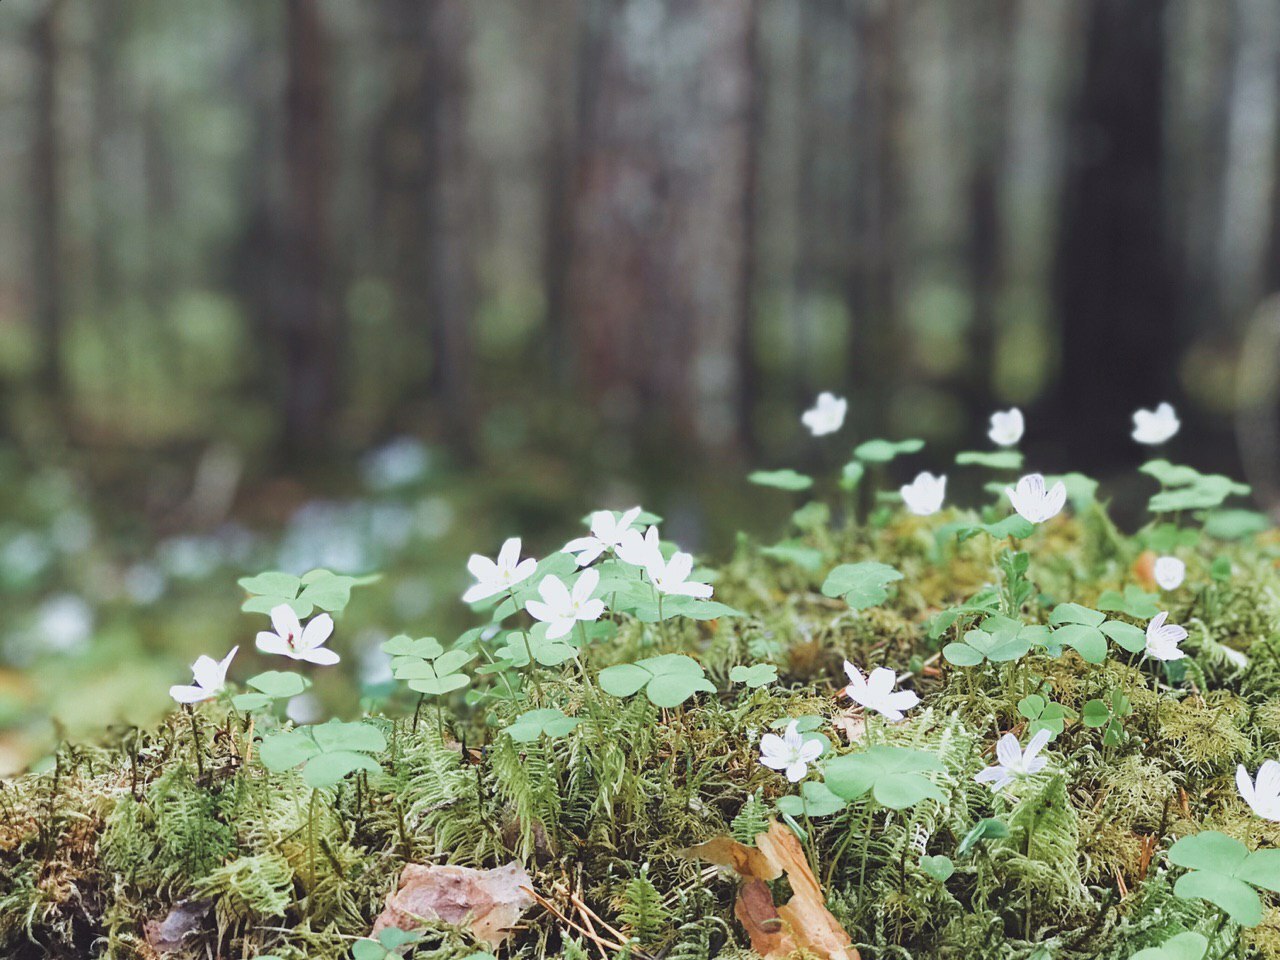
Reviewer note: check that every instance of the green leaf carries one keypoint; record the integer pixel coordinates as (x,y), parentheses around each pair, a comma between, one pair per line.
(893,775)
(1134,602)
(993,460)
(1031,706)
(328,769)
(882,451)
(962,654)
(781,479)
(1187,945)
(1095,714)
(1082,491)
(862,585)
(1126,635)
(851,475)
(668,680)
(815,800)
(1168,474)
(273,584)
(1235,524)
(999,639)
(1235,897)
(328,591)
(424,648)
(1011,526)
(1074,613)
(756,675)
(547,721)
(1221,869)
(1087,641)
(794,551)
(940,867)
(271,686)
(329,751)
(988,829)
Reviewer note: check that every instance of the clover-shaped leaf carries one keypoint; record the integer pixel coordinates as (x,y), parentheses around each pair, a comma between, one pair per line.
(998,639)
(1188,489)
(882,451)
(940,867)
(328,751)
(815,800)
(781,480)
(862,585)
(388,945)
(1187,945)
(1168,474)
(992,459)
(796,552)
(1043,714)
(895,776)
(1223,871)
(1013,526)
(756,675)
(269,687)
(1126,635)
(1235,524)
(546,721)
(649,610)
(321,589)
(426,666)
(851,475)
(667,680)
(1134,602)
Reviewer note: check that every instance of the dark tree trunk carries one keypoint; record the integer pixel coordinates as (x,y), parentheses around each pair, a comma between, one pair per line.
(872,287)
(660,229)
(305,317)
(46,196)
(1120,347)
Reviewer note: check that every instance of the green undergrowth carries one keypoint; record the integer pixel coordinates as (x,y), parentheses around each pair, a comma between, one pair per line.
(1071,863)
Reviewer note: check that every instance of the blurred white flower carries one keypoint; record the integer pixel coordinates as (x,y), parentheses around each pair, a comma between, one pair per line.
(400,463)
(1155,426)
(1014,762)
(1033,502)
(1163,638)
(790,753)
(64,622)
(1006,427)
(304,708)
(875,691)
(1169,572)
(825,416)
(639,550)
(293,641)
(672,576)
(607,532)
(497,577)
(1263,796)
(561,608)
(924,494)
(210,676)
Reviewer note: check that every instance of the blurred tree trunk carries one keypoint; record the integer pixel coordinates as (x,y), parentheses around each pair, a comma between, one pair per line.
(660,247)
(876,161)
(1113,281)
(47,278)
(305,317)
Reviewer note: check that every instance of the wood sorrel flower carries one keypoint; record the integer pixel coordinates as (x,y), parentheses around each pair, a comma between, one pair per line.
(825,416)
(790,753)
(1155,426)
(561,608)
(1262,795)
(1163,638)
(1169,572)
(495,577)
(1006,427)
(1033,502)
(607,531)
(210,679)
(292,640)
(924,494)
(1013,761)
(875,692)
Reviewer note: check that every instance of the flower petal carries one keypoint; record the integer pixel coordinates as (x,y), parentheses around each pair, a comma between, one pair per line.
(316,632)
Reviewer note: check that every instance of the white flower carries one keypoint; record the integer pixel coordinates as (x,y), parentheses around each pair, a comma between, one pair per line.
(560,609)
(291,640)
(1163,639)
(210,676)
(1169,572)
(1264,795)
(639,550)
(672,576)
(875,692)
(492,577)
(607,532)
(1155,426)
(1033,502)
(1006,427)
(825,416)
(790,752)
(1013,761)
(924,494)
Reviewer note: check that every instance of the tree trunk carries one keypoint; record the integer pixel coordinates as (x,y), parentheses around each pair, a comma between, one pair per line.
(306,318)
(46,195)
(1120,348)
(660,227)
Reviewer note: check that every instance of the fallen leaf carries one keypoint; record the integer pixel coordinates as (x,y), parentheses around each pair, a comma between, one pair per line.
(803,922)
(183,920)
(486,902)
(1144,569)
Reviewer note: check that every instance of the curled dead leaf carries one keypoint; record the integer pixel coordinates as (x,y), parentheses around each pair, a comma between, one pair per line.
(803,922)
(185,919)
(488,903)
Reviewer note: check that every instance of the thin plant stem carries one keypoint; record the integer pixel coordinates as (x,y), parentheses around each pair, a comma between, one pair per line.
(195,742)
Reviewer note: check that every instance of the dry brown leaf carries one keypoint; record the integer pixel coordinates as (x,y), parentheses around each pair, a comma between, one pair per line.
(487,902)
(1144,569)
(803,922)
(185,919)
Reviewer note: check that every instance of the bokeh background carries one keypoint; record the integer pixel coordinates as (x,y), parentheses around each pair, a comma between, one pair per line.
(373,285)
